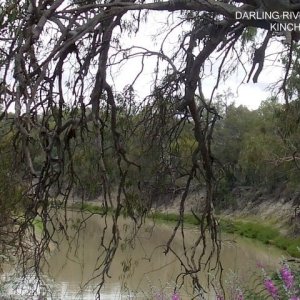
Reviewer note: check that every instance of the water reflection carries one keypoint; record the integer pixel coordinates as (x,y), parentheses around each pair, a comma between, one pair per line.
(140,269)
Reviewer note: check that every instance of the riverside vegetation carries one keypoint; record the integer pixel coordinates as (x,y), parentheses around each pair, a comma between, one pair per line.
(263,233)
(247,143)
(101,100)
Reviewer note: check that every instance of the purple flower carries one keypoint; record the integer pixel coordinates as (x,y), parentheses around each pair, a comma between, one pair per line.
(219,297)
(287,277)
(239,296)
(175,296)
(295,298)
(259,265)
(271,288)
(159,296)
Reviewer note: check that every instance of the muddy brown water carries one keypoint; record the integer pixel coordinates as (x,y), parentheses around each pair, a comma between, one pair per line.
(140,269)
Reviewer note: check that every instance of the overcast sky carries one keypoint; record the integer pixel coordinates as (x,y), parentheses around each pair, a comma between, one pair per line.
(248,94)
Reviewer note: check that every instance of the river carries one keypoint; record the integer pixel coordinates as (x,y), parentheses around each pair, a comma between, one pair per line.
(142,271)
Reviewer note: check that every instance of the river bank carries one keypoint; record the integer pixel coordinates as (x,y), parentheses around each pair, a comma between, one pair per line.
(272,217)
(142,262)
(141,270)
(246,227)
(258,231)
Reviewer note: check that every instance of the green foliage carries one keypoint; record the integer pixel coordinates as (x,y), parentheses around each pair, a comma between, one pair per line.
(86,166)
(256,148)
(134,205)
(252,230)
(294,248)
(230,132)
(38,224)
(168,217)
(224,196)
(263,233)
(260,146)
(11,189)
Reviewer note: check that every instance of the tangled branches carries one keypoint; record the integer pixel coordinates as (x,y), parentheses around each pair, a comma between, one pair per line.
(59,102)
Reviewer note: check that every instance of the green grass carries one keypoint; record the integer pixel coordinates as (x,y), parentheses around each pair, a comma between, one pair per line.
(159,216)
(38,225)
(263,233)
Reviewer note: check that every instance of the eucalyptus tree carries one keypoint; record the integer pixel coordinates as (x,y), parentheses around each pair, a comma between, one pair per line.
(56,61)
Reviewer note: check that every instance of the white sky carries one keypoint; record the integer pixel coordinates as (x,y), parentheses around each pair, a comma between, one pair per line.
(248,94)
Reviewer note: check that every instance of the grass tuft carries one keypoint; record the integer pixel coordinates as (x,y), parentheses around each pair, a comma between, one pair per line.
(263,233)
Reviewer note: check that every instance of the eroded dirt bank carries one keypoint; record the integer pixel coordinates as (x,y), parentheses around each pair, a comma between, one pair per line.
(279,208)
